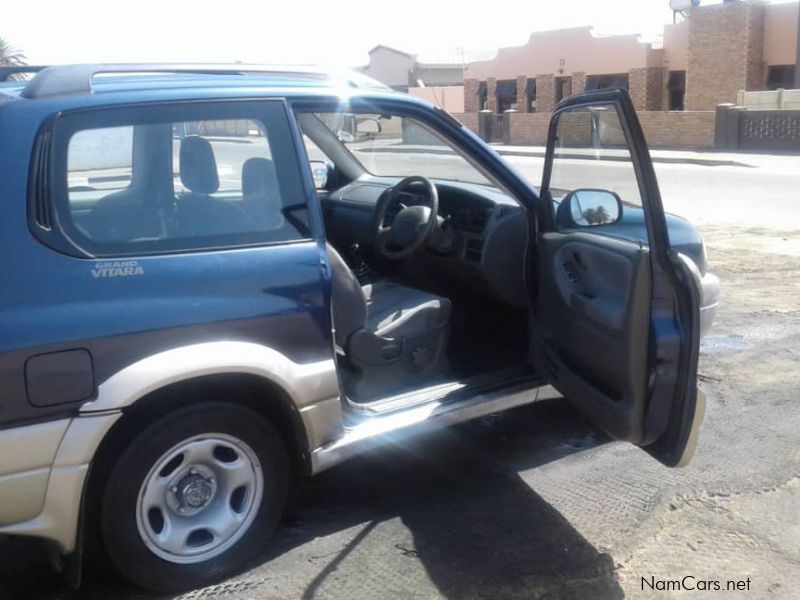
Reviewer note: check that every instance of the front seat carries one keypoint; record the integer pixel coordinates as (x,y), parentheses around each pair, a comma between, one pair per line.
(387,332)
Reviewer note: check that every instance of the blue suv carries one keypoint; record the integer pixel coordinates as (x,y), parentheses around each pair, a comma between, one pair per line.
(218,278)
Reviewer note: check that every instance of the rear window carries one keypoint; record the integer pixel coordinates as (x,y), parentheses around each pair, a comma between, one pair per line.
(160,185)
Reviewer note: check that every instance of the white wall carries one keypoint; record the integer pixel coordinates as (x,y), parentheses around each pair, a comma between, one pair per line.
(779,99)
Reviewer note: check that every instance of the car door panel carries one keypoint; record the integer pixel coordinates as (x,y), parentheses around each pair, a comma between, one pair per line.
(615,323)
(597,323)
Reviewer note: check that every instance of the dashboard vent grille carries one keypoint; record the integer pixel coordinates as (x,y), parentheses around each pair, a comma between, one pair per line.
(481,219)
(473,250)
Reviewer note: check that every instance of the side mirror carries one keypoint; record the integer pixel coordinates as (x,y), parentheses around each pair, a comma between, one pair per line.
(319,171)
(589,208)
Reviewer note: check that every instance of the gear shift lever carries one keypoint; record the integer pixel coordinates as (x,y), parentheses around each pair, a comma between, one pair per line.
(361,269)
(356,257)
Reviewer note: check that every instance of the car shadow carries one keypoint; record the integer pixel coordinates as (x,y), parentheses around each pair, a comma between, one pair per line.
(477,528)
(471,525)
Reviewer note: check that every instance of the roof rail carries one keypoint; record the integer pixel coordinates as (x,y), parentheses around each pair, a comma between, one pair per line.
(77,79)
(6,73)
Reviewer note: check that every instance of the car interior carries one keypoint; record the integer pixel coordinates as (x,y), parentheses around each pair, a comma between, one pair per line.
(428,286)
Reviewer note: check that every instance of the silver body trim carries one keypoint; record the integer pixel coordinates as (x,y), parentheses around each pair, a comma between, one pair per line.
(306,384)
(418,419)
(30,447)
(60,508)
(26,457)
(709,301)
(405,400)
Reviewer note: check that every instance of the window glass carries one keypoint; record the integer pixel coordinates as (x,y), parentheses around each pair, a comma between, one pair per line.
(313,151)
(100,162)
(180,185)
(593,172)
(234,142)
(395,146)
(591,152)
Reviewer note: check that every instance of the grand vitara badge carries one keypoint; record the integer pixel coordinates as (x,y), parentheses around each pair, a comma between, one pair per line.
(117,268)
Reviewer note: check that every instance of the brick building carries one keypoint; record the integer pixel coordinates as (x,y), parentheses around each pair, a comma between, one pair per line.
(704,61)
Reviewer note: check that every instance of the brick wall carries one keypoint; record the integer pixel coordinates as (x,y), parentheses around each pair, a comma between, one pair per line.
(646,86)
(575,129)
(756,67)
(545,93)
(687,130)
(725,53)
(471,100)
(522,100)
(491,94)
(578,82)
(528,129)
(470,120)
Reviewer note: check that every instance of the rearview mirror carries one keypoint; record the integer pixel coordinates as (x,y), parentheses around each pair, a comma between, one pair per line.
(353,128)
(368,127)
(589,208)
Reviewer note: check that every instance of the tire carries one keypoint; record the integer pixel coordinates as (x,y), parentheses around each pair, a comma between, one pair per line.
(194,497)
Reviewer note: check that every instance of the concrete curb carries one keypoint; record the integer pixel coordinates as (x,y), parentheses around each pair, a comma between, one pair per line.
(706,162)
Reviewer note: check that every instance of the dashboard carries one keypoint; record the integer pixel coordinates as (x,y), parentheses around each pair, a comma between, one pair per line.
(480,240)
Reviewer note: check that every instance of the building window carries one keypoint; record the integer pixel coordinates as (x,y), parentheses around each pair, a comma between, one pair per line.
(676,87)
(604,82)
(482,96)
(780,77)
(506,92)
(563,88)
(530,95)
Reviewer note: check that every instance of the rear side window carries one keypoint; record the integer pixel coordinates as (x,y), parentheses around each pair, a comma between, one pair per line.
(104,154)
(157,180)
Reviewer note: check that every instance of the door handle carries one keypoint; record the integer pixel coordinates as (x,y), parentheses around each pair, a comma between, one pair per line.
(570,273)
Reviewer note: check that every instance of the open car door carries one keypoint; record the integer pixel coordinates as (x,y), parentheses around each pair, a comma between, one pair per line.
(616,317)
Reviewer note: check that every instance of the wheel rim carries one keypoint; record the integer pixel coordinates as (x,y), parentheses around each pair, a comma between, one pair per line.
(199,498)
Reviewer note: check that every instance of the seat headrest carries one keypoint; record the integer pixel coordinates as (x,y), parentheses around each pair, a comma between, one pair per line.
(198,165)
(259,181)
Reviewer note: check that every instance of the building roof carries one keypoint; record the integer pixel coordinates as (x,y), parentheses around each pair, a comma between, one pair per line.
(390,49)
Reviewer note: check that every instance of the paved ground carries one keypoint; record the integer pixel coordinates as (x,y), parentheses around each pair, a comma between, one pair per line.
(538,504)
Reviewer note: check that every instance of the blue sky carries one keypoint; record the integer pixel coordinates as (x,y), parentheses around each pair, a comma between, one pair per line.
(308,31)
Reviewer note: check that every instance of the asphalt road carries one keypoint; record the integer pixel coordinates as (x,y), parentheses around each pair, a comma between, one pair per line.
(536,503)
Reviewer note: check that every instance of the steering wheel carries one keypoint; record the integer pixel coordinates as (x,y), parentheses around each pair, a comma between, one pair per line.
(412,225)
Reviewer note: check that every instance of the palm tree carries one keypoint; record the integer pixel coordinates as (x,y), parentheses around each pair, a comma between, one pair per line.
(10,56)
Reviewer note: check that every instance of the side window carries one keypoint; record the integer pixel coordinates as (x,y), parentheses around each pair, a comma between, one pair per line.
(161,185)
(100,162)
(593,180)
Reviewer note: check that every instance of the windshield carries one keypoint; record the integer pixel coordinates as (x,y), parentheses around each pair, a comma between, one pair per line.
(394,146)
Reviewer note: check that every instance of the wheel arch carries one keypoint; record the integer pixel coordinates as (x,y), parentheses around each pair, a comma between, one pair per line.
(260,378)
(257,393)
